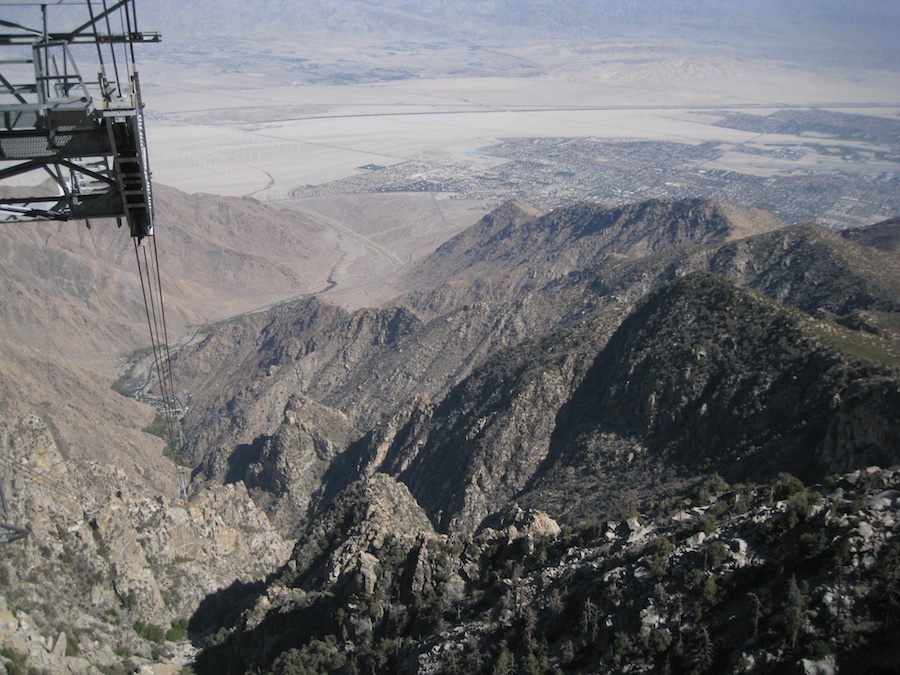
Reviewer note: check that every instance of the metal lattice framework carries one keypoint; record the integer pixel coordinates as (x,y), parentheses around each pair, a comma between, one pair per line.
(86,136)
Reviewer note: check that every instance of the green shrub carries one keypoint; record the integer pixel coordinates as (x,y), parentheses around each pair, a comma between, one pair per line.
(716,553)
(162,428)
(72,646)
(659,559)
(711,592)
(567,652)
(709,488)
(708,525)
(178,630)
(148,631)
(504,662)
(797,507)
(813,544)
(17,661)
(121,388)
(794,612)
(842,552)
(786,485)
(818,650)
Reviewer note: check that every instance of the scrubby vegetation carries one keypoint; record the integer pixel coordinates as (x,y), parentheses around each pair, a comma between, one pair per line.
(740,578)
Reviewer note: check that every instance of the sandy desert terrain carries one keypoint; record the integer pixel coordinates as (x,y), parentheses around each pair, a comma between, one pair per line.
(255,134)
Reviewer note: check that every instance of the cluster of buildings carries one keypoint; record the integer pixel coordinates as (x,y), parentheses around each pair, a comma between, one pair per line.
(783,173)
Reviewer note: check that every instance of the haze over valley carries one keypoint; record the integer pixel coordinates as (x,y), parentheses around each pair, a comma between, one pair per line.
(767,106)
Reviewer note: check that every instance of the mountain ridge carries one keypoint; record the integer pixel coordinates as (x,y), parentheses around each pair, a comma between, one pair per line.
(567,239)
(803,266)
(654,469)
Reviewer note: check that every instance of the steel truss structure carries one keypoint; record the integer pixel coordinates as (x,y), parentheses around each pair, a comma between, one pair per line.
(86,135)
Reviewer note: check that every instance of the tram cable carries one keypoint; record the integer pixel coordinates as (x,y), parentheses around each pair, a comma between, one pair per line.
(40,478)
(145,249)
(147,257)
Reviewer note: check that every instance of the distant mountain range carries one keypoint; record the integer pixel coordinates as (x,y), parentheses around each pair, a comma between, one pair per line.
(860,24)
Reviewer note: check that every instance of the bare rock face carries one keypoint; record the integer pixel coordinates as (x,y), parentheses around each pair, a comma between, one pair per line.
(764,574)
(160,551)
(864,419)
(365,516)
(284,472)
(484,442)
(507,279)
(122,565)
(352,555)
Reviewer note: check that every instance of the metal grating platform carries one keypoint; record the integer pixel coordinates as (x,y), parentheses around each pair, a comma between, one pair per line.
(82,141)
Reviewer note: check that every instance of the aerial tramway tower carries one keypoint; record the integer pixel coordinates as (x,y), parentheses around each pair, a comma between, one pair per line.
(76,145)
(73,146)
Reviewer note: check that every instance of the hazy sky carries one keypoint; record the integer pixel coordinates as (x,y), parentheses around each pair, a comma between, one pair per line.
(851,18)
(870,27)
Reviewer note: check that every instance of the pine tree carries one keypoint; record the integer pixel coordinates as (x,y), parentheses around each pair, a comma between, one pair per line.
(794,611)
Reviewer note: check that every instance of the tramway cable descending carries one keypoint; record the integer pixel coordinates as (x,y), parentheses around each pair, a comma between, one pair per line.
(90,138)
(154,307)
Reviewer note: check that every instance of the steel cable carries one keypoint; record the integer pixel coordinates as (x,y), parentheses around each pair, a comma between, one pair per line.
(154,308)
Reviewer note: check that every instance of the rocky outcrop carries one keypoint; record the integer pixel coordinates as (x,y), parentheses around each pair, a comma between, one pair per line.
(366,514)
(285,471)
(485,441)
(352,555)
(160,551)
(755,577)
(101,580)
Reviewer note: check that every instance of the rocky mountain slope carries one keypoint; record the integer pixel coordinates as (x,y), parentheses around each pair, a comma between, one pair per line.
(587,365)
(72,309)
(505,355)
(517,461)
(757,578)
(496,299)
(110,546)
(111,570)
